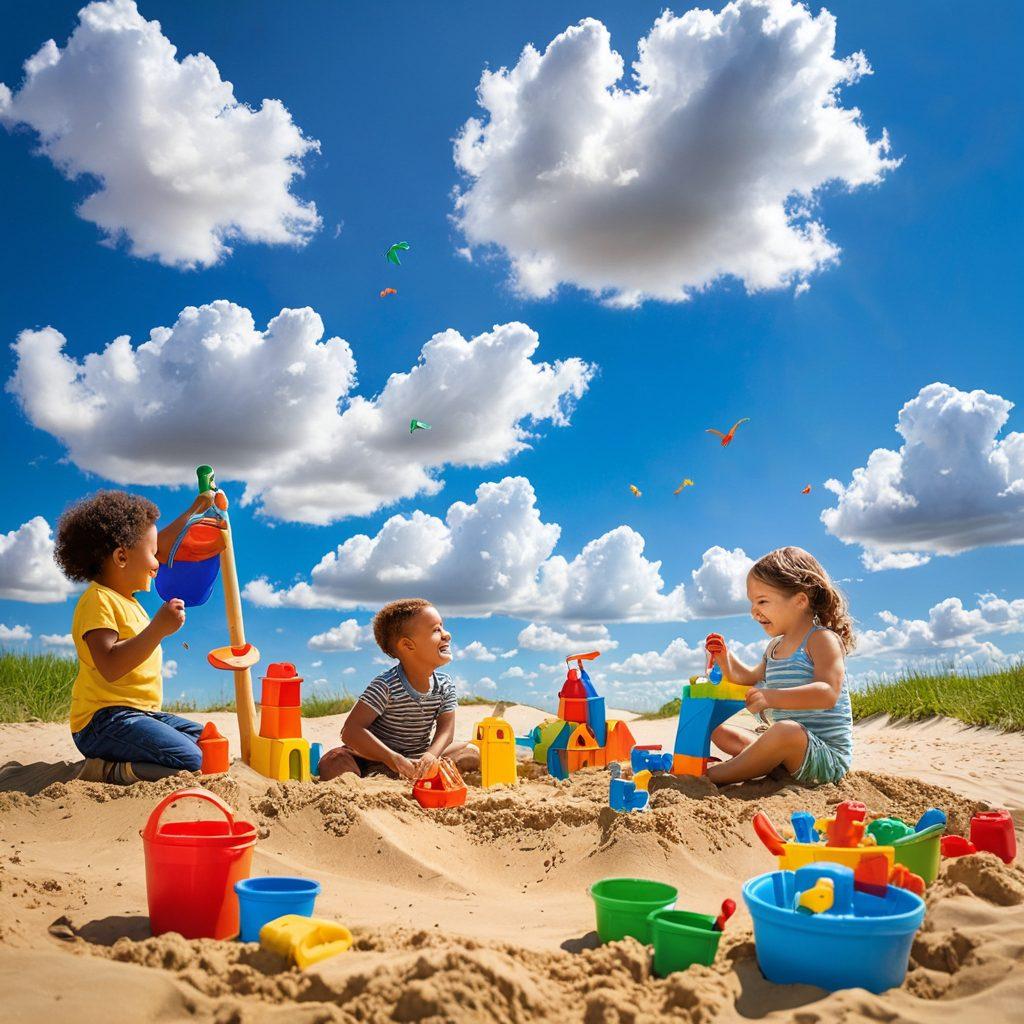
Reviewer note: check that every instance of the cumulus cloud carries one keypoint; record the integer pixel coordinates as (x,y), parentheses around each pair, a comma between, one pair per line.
(518,672)
(719,585)
(183,168)
(951,634)
(14,634)
(708,165)
(346,636)
(494,556)
(27,569)
(681,659)
(541,637)
(279,412)
(169,669)
(485,684)
(951,487)
(61,640)
(476,651)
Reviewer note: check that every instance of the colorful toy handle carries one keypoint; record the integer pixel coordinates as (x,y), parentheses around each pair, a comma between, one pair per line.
(589,656)
(728,909)
(768,834)
(149,833)
(206,479)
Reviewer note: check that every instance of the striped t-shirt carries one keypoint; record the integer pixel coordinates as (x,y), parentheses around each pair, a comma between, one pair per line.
(405,717)
(832,725)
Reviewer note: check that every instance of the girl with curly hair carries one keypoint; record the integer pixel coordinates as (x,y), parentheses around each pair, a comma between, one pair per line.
(110,541)
(801,680)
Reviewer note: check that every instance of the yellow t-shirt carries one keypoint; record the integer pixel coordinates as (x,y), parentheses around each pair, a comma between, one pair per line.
(99,607)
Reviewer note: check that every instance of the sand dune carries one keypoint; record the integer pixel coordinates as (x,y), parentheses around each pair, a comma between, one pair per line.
(480,913)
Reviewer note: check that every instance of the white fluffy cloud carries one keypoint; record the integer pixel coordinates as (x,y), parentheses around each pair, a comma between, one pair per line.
(518,672)
(951,634)
(490,557)
(62,640)
(681,659)
(485,684)
(27,569)
(14,634)
(346,636)
(951,487)
(183,167)
(576,636)
(169,669)
(707,166)
(476,651)
(719,586)
(278,410)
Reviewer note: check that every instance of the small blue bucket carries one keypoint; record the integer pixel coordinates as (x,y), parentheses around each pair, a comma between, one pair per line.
(868,948)
(262,899)
(191,581)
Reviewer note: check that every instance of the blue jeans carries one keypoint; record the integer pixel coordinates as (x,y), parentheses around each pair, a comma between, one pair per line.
(154,737)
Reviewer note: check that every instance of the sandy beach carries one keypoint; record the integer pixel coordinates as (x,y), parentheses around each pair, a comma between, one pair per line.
(480,913)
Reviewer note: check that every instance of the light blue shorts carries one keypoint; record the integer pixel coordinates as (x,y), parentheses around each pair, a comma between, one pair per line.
(821,762)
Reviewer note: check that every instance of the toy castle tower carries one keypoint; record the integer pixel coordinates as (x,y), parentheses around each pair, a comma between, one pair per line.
(279,751)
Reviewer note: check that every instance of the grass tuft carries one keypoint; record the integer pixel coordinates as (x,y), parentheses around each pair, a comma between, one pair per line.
(35,686)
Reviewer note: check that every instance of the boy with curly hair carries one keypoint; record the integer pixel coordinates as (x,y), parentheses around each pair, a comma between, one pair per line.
(110,541)
(405,719)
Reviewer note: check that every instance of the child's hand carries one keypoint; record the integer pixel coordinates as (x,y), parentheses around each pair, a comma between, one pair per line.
(756,700)
(404,767)
(170,616)
(425,763)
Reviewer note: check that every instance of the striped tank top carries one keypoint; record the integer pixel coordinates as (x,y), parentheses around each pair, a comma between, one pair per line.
(834,725)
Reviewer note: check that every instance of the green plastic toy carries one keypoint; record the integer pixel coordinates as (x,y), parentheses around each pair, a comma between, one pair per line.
(623,906)
(392,254)
(415,425)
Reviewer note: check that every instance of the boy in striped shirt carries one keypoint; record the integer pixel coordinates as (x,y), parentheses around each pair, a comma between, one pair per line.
(405,719)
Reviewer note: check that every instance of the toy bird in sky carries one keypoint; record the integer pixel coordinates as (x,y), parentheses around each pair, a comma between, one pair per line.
(727,438)
(415,425)
(686,483)
(636,490)
(388,291)
(806,490)
(392,254)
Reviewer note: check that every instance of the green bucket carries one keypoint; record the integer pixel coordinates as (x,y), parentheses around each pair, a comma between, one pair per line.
(623,906)
(681,939)
(921,852)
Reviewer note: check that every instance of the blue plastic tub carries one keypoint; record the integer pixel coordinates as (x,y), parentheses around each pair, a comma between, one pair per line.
(262,899)
(868,948)
(191,581)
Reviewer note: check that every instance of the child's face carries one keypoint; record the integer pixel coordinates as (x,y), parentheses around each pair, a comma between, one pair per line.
(425,638)
(776,611)
(137,566)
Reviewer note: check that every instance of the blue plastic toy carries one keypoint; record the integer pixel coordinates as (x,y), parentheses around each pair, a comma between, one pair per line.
(315,753)
(933,816)
(715,675)
(813,927)
(649,761)
(625,795)
(803,827)
(263,899)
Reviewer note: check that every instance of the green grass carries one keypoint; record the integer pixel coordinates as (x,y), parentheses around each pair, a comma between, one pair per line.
(994,698)
(475,699)
(35,686)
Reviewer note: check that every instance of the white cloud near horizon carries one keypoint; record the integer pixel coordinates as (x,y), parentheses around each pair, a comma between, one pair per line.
(708,164)
(573,638)
(682,659)
(182,168)
(65,641)
(346,636)
(951,487)
(280,413)
(27,569)
(493,556)
(14,634)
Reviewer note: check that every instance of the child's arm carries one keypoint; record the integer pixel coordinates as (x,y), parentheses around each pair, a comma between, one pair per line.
(826,653)
(444,736)
(115,658)
(732,668)
(356,735)
(165,538)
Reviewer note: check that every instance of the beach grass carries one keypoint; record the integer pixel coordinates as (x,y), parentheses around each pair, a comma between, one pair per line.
(995,699)
(35,686)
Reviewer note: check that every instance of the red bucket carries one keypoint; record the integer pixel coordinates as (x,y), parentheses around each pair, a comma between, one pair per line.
(192,867)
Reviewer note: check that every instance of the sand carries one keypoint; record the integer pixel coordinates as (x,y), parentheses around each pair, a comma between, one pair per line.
(480,913)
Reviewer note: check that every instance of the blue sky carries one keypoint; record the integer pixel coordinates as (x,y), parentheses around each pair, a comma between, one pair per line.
(922,292)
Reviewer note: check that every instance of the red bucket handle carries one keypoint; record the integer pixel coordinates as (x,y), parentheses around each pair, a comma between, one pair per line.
(149,833)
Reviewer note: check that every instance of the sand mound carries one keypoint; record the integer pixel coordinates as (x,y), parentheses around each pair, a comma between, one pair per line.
(476,913)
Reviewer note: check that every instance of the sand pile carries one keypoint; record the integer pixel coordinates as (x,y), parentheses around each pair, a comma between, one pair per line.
(470,914)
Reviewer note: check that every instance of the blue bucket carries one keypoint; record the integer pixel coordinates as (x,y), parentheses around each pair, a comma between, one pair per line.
(191,581)
(262,899)
(868,949)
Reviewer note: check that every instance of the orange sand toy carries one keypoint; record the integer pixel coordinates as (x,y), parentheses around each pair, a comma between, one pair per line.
(442,786)
(214,749)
